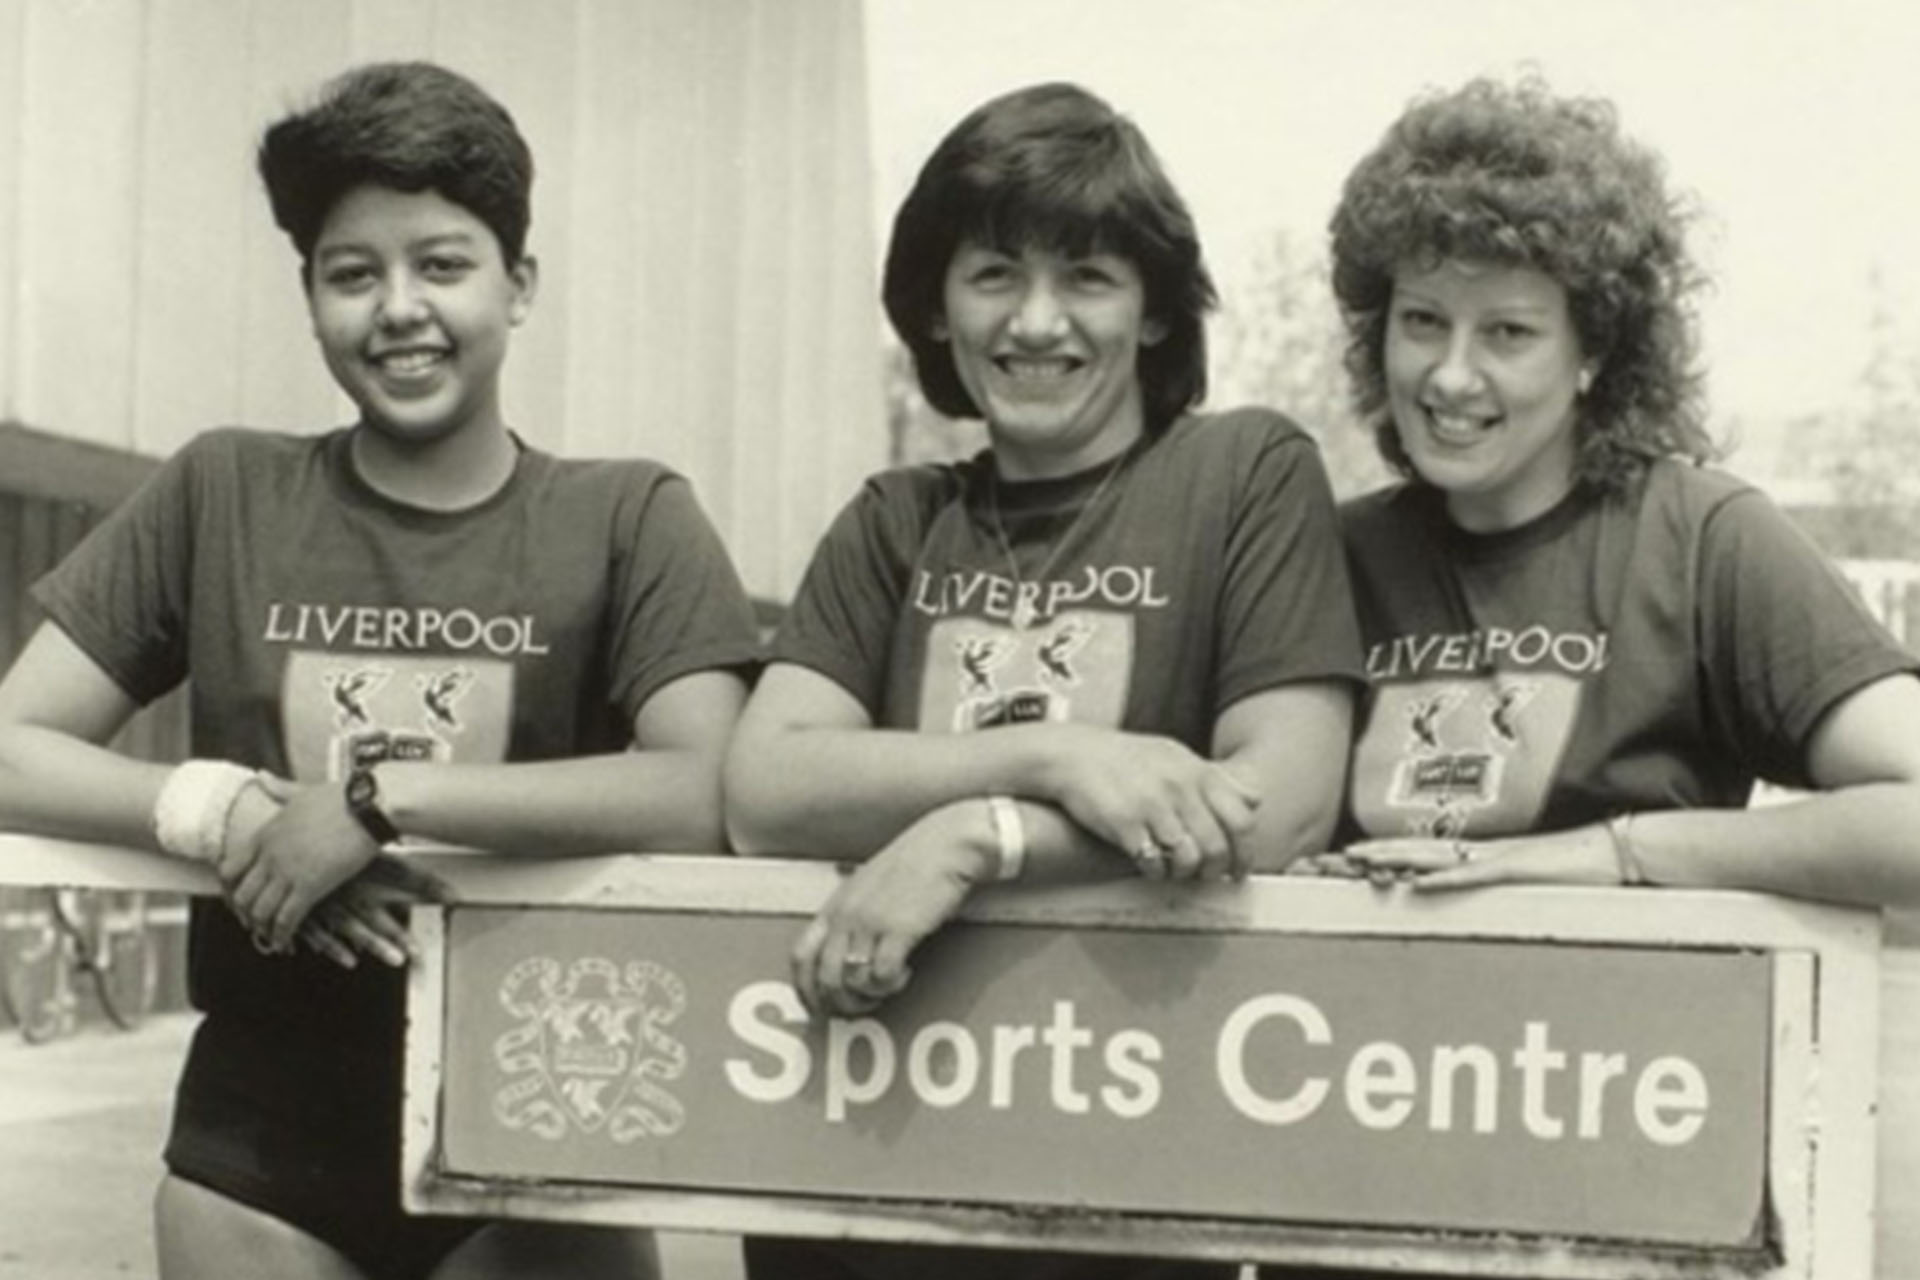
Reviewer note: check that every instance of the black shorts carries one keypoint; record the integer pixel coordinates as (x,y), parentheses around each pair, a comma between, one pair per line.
(769,1258)
(310,1134)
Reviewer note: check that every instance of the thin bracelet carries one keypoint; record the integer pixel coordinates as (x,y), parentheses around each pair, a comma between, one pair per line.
(1623,854)
(1011,835)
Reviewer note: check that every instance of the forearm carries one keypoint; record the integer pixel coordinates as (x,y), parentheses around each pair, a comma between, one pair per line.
(1288,745)
(1296,815)
(1057,849)
(55,784)
(844,793)
(664,800)
(1858,845)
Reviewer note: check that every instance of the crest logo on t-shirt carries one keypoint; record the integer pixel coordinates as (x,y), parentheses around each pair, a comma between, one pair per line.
(981,674)
(342,710)
(1446,758)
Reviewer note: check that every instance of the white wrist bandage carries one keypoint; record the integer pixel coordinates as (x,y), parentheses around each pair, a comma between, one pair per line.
(190,817)
(1011,835)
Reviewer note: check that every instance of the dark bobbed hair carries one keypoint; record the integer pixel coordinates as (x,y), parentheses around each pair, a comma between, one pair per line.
(1051,166)
(411,126)
(1512,174)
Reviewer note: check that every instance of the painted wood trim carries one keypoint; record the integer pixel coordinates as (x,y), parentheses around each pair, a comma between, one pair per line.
(772,886)
(45,465)
(1828,967)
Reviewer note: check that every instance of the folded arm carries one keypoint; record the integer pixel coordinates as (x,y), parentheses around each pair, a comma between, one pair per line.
(809,770)
(662,794)
(57,778)
(1856,841)
(57,708)
(809,775)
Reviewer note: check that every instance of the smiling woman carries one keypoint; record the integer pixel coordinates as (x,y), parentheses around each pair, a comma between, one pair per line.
(1585,646)
(1046,343)
(412,301)
(411,626)
(1484,371)
(1047,663)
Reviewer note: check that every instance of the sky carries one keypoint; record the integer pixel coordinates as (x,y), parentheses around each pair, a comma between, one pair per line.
(1795,127)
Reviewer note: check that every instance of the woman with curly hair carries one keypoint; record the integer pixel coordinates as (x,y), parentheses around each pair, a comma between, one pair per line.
(1583,645)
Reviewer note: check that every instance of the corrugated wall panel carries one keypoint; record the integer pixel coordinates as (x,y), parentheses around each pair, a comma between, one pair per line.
(78,172)
(707,291)
(188,292)
(291,46)
(594,283)
(534,72)
(13,91)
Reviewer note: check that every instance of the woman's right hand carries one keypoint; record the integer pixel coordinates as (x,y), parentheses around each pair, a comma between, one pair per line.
(1176,814)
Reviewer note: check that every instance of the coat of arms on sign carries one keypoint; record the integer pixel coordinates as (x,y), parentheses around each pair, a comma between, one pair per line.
(590,1051)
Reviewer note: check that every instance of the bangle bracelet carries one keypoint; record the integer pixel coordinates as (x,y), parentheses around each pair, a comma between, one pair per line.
(1623,855)
(1010,834)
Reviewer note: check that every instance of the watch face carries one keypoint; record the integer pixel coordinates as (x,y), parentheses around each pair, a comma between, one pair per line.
(363,802)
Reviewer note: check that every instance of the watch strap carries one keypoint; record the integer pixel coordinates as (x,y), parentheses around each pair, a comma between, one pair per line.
(363,802)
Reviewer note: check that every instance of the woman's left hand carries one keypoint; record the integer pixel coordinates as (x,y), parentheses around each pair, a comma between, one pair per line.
(1584,855)
(364,916)
(853,955)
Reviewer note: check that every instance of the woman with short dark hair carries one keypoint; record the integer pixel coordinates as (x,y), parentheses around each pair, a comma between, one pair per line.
(1116,643)
(413,625)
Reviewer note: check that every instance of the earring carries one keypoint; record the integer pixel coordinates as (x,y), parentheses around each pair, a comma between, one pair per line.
(1584,382)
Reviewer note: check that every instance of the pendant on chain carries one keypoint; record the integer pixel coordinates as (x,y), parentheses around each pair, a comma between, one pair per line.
(1024,611)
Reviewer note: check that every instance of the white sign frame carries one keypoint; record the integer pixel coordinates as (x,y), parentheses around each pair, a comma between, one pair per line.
(1830,1052)
(1825,1022)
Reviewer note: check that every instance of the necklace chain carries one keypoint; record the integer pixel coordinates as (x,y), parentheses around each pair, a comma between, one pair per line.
(1023,606)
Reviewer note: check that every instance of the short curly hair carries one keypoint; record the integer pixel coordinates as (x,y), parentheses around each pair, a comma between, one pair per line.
(1512,174)
(411,126)
(1052,165)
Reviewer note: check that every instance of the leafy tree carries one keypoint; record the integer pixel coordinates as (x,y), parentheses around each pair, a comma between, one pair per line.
(1278,342)
(916,432)
(1870,456)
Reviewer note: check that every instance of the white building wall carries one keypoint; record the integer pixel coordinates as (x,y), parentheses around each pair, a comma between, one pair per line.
(701,216)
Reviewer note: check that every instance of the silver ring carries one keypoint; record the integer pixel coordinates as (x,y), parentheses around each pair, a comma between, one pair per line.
(1150,850)
(857,961)
(263,944)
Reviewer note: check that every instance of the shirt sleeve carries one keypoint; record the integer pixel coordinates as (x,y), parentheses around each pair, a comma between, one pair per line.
(122,595)
(1286,611)
(1784,637)
(842,620)
(678,603)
